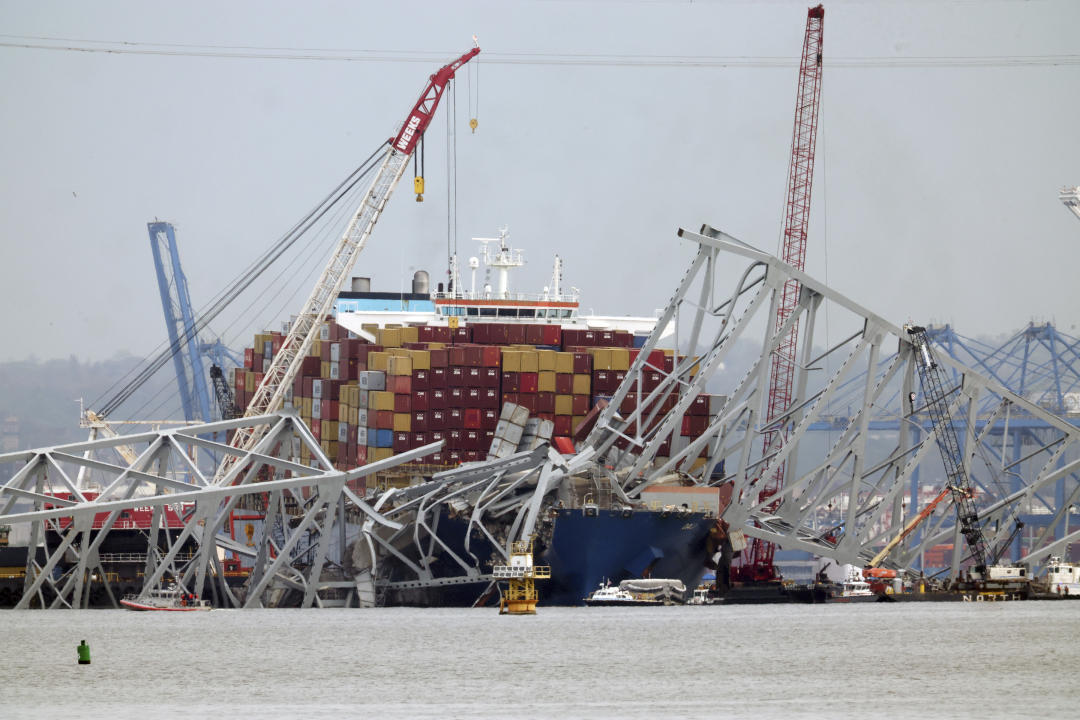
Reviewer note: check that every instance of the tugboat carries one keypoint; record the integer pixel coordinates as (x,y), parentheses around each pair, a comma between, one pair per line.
(170,599)
(1062,578)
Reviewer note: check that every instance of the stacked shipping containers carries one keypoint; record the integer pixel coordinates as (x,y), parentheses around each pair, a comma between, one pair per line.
(417,385)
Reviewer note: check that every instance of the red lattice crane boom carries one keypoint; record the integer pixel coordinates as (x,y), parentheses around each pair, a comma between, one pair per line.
(757,562)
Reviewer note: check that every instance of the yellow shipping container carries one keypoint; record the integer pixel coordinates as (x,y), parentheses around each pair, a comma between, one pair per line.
(402,422)
(582,384)
(545,360)
(325,446)
(564,405)
(545,381)
(511,361)
(381,453)
(620,359)
(601,358)
(380,400)
(372,328)
(249,382)
(564,362)
(378,361)
(529,361)
(333,451)
(436,345)
(305,407)
(390,337)
(316,349)
(399,366)
(324,369)
(410,334)
(351,418)
(575,421)
(421,359)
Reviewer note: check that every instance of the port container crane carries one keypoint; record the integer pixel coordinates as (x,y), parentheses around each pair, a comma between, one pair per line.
(270,394)
(757,565)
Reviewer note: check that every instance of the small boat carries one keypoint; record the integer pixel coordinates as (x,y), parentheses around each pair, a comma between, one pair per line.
(1063,578)
(170,599)
(701,597)
(608,595)
(854,589)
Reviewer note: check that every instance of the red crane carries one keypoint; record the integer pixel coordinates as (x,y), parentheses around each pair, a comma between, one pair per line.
(757,561)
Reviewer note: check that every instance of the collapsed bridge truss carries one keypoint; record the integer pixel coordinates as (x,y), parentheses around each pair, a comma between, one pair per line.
(320,543)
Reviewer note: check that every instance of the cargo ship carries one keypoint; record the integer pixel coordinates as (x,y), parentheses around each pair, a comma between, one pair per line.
(392,372)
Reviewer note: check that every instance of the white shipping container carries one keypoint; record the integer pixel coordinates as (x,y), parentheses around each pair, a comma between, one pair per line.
(316,388)
(361,435)
(343,432)
(362,416)
(324,332)
(335,372)
(316,408)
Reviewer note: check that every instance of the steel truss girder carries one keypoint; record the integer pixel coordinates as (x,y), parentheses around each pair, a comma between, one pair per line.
(150,482)
(848,500)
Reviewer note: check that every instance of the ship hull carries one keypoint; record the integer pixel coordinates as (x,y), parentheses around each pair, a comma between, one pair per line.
(584,549)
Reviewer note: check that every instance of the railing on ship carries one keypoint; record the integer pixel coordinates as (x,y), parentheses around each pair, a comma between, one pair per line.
(532,305)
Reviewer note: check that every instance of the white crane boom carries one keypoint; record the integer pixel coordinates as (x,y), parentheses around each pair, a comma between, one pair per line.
(1070,196)
(270,394)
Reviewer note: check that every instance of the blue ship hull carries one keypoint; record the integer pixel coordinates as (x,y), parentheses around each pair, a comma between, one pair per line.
(583,551)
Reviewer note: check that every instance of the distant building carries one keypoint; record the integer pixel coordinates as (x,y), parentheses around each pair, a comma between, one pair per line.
(9,434)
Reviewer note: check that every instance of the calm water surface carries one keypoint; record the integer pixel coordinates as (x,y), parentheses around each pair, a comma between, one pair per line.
(928,660)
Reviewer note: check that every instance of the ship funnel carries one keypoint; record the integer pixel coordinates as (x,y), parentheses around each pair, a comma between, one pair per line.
(421,284)
(361,284)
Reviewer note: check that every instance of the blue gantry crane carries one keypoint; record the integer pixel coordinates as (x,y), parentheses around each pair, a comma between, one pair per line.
(188,349)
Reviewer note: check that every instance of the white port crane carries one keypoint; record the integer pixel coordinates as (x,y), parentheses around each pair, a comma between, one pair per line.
(1070,196)
(271,392)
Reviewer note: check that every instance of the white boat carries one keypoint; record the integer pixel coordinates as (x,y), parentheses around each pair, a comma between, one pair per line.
(170,599)
(1062,578)
(701,597)
(854,589)
(642,591)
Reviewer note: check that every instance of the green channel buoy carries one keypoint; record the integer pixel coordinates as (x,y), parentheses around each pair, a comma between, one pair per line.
(84,653)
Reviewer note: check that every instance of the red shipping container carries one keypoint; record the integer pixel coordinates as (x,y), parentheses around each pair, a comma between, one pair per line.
(650,380)
(419,439)
(455,439)
(457,356)
(249,358)
(515,334)
(629,404)
(490,377)
(547,416)
(455,418)
(419,421)
(580,404)
(669,363)
(472,397)
(490,356)
(402,403)
(420,400)
(563,425)
(461,334)
(456,397)
(455,377)
(401,384)
(437,378)
(472,418)
(582,363)
(426,333)
(694,425)
(436,420)
(489,397)
(474,455)
(420,380)
(437,435)
(454,457)
(360,455)
(481,333)
(437,399)
(545,402)
(528,381)
(474,355)
(605,338)
(401,442)
(474,439)
(510,398)
(552,334)
(528,402)
(564,383)
(384,419)
(499,333)
(489,419)
(307,387)
(510,382)
(472,377)
(699,405)
(534,334)
(603,382)
(440,357)
(316,430)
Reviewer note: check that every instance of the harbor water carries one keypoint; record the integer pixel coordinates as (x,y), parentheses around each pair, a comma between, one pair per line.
(947,660)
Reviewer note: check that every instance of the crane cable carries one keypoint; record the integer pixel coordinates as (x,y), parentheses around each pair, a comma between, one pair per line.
(150,365)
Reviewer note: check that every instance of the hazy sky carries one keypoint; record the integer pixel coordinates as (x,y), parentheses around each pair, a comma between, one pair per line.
(948,129)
